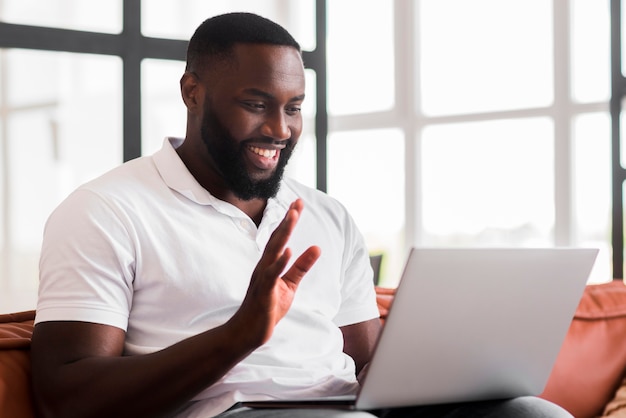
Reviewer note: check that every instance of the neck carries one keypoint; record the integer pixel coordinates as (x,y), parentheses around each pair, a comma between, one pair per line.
(253,208)
(212,181)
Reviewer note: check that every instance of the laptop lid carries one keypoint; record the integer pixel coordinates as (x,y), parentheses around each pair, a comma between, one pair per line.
(475,324)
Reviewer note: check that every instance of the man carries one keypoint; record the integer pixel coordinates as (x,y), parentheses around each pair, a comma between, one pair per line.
(168,286)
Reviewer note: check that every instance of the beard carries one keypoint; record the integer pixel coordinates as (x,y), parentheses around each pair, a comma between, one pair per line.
(228,156)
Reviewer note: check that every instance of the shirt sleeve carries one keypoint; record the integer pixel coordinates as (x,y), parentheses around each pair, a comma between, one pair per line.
(87,263)
(357,291)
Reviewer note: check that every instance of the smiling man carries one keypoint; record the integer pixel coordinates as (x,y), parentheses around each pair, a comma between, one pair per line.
(183,283)
(258,91)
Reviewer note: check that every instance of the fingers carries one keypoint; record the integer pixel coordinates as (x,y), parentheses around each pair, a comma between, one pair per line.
(276,256)
(274,269)
(280,236)
(301,266)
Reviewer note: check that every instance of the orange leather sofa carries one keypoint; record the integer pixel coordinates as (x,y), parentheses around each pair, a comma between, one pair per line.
(587,379)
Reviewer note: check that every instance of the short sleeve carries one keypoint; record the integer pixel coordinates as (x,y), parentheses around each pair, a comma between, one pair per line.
(358,293)
(87,263)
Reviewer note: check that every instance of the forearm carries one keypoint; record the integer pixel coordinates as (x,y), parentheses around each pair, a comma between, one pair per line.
(152,385)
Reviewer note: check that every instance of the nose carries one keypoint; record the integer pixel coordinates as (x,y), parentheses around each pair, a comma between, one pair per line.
(276,127)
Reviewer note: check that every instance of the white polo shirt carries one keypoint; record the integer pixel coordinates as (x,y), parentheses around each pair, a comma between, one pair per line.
(147,249)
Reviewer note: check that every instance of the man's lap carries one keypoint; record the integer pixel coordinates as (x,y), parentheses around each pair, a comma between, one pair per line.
(244,412)
(526,407)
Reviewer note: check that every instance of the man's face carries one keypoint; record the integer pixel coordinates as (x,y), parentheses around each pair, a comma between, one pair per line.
(229,155)
(251,120)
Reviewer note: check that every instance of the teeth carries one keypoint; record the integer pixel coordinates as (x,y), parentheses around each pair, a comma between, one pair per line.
(264,152)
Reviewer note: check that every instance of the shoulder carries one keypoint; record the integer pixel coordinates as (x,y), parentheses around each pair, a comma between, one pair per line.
(125,182)
(113,195)
(123,177)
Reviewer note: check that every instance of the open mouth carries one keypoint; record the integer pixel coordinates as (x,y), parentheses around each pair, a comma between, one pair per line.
(263,158)
(263,152)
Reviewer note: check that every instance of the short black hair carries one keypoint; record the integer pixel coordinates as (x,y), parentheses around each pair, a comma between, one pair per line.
(216,36)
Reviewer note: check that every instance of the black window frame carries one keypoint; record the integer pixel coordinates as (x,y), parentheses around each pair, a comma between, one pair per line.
(133,47)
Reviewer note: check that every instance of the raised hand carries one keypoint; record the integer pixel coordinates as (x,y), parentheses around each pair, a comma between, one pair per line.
(270,294)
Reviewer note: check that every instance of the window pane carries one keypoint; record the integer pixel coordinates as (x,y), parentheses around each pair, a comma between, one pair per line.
(623,34)
(302,165)
(590,50)
(89,15)
(55,141)
(592,189)
(374,197)
(3,198)
(82,94)
(360,56)
(163,109)
(21,65)
(179,18)
(310,103)
(488,183)
(480,55)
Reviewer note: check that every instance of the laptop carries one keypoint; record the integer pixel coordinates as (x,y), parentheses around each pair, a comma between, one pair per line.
(469,325)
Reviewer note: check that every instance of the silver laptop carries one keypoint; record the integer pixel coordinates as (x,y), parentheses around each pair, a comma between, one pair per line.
(469,325)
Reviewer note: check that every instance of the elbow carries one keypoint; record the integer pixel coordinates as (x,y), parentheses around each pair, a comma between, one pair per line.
(52,399)
(47,405)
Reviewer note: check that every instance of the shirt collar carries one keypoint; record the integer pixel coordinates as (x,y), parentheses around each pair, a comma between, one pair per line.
(175,174)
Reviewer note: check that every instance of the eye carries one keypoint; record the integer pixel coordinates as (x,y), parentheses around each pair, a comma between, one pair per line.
(293,110)
(255,105)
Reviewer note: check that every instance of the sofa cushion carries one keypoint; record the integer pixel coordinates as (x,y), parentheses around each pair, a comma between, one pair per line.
(591,363)
(15,393)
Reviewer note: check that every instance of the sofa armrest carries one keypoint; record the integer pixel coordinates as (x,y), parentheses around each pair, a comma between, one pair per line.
(592,360)
(16,399)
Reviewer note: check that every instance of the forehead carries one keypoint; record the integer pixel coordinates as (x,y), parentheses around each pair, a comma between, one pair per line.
(262,66)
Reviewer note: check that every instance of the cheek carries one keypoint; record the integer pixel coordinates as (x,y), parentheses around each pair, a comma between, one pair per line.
(240,125)
(296,127)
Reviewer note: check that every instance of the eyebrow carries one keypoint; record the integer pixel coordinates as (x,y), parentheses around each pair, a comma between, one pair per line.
(266,95)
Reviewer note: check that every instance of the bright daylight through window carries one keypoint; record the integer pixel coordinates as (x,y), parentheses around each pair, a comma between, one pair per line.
(451,123)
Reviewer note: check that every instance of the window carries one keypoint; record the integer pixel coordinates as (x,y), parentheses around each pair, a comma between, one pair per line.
(469,123)
(65,117)
(95,16)
(61,126)
(488,183)
(500,119)
(360,53)
(474,62)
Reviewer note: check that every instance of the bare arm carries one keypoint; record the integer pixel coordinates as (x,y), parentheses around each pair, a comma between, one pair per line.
(79,370)
(359,341)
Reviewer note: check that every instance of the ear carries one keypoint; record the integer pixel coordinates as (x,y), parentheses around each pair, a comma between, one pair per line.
(191,91)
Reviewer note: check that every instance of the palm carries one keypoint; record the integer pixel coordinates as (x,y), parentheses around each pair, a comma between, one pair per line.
(271,291)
